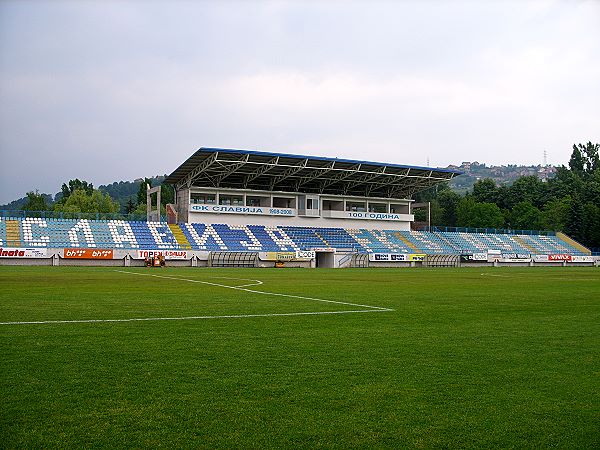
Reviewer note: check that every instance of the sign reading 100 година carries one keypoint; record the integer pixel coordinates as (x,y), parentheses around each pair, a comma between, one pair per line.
(255,210)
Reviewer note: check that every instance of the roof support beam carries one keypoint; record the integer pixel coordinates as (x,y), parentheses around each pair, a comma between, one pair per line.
(346,173)
(319,172)
(288,173)
(230,168)
(200,168)
(260,171)
(364,179)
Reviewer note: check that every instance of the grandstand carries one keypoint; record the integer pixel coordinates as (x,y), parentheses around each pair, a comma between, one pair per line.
(248,201)
(119,234)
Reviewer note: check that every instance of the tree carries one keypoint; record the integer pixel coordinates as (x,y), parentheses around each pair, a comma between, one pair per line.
(141,195)
(485,191)
(448,201)
(81,202)
(585,159)
(130,206)
(470,213)
(35,202)
(577,162)
(167,193)
(530,189)
(73,185)
(574,226)
(556,213)
(525,216)
(591,225)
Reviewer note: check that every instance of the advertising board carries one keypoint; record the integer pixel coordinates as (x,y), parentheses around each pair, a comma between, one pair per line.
(396,257)
(287,256)
(87,253)
(380,257)
(13,252)
(583,259)
(560,257)
(168,254)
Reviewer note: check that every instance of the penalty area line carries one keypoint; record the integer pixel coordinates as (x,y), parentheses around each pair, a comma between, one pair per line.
(228,316)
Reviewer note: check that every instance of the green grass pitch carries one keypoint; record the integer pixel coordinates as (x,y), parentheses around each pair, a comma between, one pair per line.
(432,358)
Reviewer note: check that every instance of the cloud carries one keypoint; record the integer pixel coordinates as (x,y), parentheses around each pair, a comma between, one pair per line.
(130,89)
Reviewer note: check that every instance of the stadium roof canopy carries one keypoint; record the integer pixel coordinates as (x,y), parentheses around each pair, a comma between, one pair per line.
(245,169)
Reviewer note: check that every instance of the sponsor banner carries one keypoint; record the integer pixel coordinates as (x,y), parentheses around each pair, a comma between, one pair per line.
(583,259)
(515,260)
(516,255)
(13,252)
(168,254)
(253,210)
(87,253)
(480,257)
(305,254)
(560,257)
(286,256)
(467,258)
(324,249)
(395,257)
(540,258)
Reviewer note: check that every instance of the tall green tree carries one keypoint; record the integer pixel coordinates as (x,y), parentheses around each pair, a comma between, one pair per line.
(68,188)
(556,213)
(574,226)
(141,195)
(35,202)
(473,214)
(525,216)
(81,201)
(130,206)
(485,191)
(448,201)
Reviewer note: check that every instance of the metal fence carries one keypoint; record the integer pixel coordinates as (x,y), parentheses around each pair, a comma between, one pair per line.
(487,230)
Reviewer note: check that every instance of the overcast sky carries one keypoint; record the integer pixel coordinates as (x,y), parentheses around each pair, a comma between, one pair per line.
(107,91)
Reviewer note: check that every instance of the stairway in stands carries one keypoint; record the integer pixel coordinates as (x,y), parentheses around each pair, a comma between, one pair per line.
(406,241)
(13,233)
(521,242)
(180,237)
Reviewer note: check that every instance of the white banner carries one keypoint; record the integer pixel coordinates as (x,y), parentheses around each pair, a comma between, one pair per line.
(12,252)
(253,210)
(168,254)
(584,259)
(299,255)
(395,257)
(363,215)
(540,258)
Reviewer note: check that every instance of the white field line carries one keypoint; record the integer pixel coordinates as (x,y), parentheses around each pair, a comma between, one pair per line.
(368,308)
(230,316)
(239,288)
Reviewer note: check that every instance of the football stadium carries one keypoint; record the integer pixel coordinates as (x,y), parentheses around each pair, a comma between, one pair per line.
(290,301)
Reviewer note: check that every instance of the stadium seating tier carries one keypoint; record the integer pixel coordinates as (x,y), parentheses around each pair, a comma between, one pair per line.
(119,234)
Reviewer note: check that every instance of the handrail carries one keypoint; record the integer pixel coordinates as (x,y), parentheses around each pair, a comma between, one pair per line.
(486,230)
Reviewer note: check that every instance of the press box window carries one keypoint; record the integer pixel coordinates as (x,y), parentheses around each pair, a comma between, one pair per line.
(234,200)
(207,199)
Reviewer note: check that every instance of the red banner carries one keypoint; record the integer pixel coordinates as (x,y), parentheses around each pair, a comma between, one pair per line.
(87,253)
(560,257)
